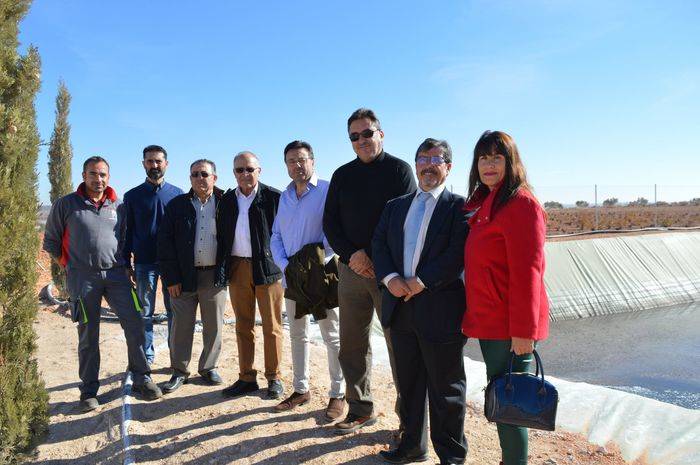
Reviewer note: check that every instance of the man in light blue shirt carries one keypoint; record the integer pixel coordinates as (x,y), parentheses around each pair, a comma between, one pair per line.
(299,222)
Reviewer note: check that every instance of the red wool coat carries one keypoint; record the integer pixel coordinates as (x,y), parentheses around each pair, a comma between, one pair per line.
(504,269)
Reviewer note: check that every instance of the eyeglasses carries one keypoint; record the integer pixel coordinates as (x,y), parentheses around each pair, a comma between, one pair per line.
(246,169)
(203,174)
(436,160)
(298,161)
(367,134)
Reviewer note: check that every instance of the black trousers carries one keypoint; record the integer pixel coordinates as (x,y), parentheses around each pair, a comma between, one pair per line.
(432,369)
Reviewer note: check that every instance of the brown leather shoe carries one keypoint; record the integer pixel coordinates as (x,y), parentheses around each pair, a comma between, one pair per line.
(295,400)
(335,409)
(354,422)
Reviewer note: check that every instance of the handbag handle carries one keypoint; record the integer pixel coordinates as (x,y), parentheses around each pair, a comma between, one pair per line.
(539,370)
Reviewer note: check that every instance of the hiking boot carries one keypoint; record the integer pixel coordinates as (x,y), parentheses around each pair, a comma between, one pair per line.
(149,390)
(88,404)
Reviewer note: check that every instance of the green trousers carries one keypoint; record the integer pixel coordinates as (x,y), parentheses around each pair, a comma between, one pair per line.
(513,439)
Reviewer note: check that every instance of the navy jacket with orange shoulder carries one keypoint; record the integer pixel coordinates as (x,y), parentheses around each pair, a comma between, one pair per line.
(504,269)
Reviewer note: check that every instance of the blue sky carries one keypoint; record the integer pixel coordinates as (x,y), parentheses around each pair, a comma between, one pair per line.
(603,93)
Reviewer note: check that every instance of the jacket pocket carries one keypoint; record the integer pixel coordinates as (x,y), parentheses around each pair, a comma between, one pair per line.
(77,311)
(491,286)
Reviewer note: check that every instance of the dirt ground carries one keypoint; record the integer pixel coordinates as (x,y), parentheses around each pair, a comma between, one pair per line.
(196,425)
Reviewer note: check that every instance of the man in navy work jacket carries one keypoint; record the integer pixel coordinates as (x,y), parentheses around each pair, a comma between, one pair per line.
(418,250)
(145,206)
(85,234)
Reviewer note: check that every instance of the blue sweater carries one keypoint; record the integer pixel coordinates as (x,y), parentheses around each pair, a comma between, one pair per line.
(145,205)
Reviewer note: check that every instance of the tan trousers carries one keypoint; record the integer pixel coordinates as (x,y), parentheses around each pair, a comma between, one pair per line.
(270,299)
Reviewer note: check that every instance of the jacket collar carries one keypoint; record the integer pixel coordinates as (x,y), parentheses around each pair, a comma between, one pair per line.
(217,193)
(109,194)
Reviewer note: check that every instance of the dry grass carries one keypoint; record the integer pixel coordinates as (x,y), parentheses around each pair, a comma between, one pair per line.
(571,220)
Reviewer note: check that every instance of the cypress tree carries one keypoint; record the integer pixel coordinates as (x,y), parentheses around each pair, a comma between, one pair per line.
(23,399)
(60,159)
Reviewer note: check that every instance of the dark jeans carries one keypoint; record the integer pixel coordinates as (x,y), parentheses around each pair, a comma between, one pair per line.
(146,285)
(513,439)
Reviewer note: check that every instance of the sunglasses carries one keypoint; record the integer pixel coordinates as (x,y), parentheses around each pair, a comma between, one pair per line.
(247,169)
(367,134)
(196,174)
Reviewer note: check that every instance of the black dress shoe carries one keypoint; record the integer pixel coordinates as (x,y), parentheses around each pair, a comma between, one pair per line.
(275,389)
(176,381)
(398,456)
(239,388)
(212,378)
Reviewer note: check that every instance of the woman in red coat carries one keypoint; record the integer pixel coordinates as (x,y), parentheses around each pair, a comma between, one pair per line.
(507,308)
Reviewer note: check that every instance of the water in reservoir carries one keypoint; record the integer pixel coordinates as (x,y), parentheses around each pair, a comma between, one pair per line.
(653,353)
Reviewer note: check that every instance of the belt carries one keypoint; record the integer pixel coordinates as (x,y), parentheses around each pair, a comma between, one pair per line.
(204,268)
(234,257)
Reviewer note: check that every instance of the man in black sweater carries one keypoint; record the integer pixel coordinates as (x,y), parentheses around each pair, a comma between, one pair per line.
(358,192)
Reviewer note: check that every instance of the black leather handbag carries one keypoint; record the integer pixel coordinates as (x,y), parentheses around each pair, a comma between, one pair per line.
(522,399)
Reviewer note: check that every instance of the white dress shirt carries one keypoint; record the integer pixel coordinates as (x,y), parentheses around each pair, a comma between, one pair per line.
(430,204)
(241,236)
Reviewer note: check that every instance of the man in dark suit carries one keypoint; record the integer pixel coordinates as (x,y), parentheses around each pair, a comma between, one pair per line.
(418,250)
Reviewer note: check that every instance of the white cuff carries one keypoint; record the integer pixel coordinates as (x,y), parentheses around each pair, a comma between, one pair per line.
(388,278)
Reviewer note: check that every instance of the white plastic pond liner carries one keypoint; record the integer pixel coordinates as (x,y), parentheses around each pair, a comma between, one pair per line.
(602,276)
(664,434)
(621,274)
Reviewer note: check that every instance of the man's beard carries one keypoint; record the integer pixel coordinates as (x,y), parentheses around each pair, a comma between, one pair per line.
(154,174)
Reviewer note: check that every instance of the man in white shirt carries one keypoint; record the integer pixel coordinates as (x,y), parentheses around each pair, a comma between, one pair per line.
(244,223)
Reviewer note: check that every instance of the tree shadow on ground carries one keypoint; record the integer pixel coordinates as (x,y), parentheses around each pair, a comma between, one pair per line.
(337,444)
(172,405)
(76,384)
(250,447)
(111,454)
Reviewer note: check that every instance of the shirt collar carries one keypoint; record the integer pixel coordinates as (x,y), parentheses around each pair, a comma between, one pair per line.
(196,198)
(435,193)
(252,195)
(154,186)
(313,183)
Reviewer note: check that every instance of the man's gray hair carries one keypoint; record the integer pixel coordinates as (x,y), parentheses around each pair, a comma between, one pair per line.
(246,153)
(204,160)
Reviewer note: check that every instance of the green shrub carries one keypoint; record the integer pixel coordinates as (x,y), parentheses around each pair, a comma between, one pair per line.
(23,399)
